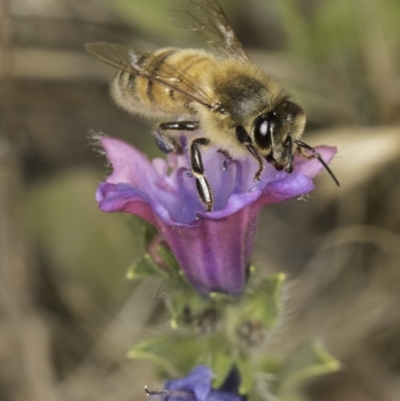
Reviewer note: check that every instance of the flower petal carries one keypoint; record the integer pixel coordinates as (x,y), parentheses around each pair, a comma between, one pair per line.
(214,253)
(129,165)
(213,248)
(312,167)
(198,381)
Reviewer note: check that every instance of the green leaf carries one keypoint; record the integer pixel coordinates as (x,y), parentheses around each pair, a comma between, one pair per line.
(176,354)
(307,362)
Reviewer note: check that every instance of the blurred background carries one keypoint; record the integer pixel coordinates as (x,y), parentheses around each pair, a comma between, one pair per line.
(68,315)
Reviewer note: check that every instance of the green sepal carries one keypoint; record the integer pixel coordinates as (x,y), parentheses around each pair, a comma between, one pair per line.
(190,310)
(219,298)
(166,266)
(182,305)
(264,304)
(246,375)
(261,304)
(149,233)
(145,267)
(169,259)
(175,354)
(305,363)
(221,364)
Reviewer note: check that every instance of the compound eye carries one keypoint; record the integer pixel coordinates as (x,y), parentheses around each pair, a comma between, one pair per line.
(263,129)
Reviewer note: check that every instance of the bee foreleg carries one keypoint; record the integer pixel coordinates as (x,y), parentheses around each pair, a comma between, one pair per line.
(203,187)
(289,147)
(244,138)
(165,142)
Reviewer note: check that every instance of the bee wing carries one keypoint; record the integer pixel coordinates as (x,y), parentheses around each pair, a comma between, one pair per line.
(140,64)
(208,19)
(118,56)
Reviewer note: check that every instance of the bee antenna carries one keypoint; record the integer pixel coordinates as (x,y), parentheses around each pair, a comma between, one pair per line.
(317,156)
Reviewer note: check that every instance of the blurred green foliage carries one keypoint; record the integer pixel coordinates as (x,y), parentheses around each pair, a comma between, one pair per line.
(154,18)
(84,243)
(329,28)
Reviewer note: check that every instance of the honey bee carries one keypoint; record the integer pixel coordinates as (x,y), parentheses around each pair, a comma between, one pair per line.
(216,98)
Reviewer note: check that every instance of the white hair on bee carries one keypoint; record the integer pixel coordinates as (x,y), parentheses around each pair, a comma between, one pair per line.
(134,59)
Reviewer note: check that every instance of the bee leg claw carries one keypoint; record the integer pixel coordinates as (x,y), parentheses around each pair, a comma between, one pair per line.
(245,140)
(189,173)
(257,176)
(166,144)
(204,190)
(226,162)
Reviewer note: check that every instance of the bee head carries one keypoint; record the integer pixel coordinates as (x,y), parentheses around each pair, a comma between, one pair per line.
(272,129)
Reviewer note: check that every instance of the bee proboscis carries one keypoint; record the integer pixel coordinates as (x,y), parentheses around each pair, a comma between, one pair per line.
(216,98)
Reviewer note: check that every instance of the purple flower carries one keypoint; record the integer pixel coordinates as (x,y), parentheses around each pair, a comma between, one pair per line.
(196,386)
(213,248)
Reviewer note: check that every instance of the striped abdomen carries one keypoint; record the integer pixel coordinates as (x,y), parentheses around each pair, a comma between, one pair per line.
(140,95)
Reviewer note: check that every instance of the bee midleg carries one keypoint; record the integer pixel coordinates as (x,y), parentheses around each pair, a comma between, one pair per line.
(165,142)
(245,139)
(225,153)
(228,158)
(203,187)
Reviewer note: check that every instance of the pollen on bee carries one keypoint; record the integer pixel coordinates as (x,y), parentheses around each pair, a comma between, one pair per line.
(228,34)
(134,59)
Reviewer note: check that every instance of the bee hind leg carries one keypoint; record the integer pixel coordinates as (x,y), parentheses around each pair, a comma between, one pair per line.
(165,142)
(203,187)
